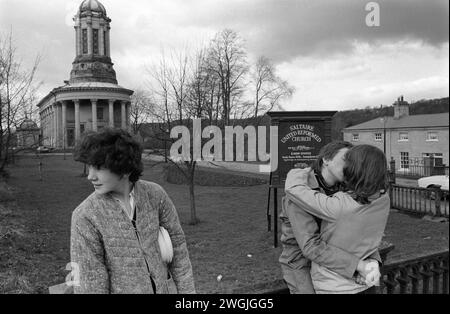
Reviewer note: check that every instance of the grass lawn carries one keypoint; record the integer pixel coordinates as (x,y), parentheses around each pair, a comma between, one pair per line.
(231,240)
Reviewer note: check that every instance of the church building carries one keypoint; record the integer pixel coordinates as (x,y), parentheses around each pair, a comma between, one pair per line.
(91,99)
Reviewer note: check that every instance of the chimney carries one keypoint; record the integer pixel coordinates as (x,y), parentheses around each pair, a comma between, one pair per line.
(401,108)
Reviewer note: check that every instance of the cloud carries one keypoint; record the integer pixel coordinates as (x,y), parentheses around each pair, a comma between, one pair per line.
(369,77)
(285,29)
(318,46)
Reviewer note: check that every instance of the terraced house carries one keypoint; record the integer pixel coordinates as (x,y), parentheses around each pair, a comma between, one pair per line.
(413,141)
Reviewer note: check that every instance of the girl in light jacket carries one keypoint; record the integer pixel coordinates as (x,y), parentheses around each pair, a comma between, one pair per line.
(354,220)
(116,231)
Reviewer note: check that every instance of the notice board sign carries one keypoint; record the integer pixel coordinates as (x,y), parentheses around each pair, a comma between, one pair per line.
(301,135)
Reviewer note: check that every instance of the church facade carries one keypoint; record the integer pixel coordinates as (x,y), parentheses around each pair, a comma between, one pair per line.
(92,98)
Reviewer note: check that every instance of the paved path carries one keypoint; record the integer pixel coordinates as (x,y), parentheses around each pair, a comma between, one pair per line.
(245,167)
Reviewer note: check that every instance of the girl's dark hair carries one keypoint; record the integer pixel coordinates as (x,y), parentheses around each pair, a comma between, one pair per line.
(365,172)
(113,149)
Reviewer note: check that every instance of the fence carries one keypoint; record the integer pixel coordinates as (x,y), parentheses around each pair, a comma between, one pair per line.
(424,275)
(421,275)
(432,201)
(419,171)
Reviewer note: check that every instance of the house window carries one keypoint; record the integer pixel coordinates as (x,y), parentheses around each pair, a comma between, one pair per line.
(99,113)
(432,137)
(95,40)
(378,137)
(84,40)
(355,137)
(404,160)
(403,137)
(437,158)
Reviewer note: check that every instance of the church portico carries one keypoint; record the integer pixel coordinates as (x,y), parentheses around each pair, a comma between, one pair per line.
(69,119)
(91,99)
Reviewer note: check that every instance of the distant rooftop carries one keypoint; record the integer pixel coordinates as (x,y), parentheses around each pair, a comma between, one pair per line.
(411,121)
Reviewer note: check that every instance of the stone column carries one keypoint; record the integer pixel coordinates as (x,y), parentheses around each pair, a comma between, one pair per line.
(101,41)
(111,112)
(52,124)
(128,117)
(94,114)
(77,39)
(89,37)
(63,124)
(56,107)
(45,128)
(123,115)
(42,119)
(108,42)
(77,119)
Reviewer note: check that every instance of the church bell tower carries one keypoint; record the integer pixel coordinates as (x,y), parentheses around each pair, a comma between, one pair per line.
(93,59)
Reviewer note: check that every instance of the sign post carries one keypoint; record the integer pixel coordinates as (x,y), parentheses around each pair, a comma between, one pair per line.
(301,135)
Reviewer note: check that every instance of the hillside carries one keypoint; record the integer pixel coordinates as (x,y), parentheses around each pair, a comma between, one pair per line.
(341,120)
(348,118)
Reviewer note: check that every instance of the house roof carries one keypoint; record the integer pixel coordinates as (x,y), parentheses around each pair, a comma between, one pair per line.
(413,121)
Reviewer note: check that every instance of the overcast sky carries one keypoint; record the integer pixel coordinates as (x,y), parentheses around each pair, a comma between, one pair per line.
(322,47)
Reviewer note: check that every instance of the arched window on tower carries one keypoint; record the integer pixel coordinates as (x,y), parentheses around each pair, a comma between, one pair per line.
(95,40)
(84,40)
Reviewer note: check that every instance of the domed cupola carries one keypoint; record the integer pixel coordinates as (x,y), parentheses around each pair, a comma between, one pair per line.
(28,124)
(92,6)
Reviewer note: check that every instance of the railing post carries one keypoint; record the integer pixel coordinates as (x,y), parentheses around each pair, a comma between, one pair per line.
(403,279)
(437,272)
(437,200)
(414,279)
(391,194)
(445,275)
(392,171)
(426,275)
(390,283)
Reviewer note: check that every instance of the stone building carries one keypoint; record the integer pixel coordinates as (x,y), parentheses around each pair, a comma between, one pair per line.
(27,134)
(409,139)
(91,99)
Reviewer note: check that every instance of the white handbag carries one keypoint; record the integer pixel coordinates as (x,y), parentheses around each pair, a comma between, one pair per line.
(165,245)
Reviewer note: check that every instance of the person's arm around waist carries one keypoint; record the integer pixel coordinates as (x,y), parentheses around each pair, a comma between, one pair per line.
(306,232)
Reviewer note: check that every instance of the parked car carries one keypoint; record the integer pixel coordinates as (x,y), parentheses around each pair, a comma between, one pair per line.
(432,182)
(44,149)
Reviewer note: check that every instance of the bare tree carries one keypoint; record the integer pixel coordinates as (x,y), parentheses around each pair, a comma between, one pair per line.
(178,81)
(228,60)
(269,89)
(17,93)
(162,111)
(173,87)
(141,109)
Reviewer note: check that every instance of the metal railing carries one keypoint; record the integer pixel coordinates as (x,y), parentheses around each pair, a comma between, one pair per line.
(431,201)
(423,275)
(419,171)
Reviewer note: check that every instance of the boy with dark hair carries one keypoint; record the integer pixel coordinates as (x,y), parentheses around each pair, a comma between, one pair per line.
(300,235)
(353,220)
